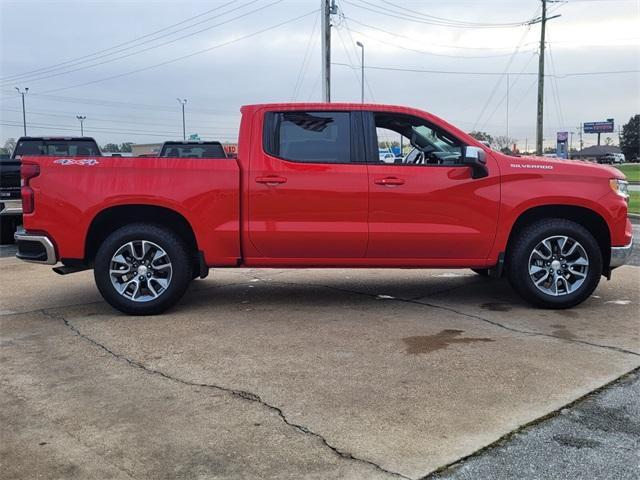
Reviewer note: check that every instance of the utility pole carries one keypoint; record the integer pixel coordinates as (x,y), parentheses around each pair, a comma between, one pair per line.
(507,105)
(82,119)
(24,114)
(580,132)
(540,116)
(183,101)
(361,45)
(328,7)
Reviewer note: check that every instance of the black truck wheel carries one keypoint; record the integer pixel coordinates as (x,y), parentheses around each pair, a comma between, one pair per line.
(142,269)
(554,263)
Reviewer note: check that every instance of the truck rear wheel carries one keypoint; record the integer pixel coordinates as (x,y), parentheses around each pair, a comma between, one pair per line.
(554,263)
(142,269)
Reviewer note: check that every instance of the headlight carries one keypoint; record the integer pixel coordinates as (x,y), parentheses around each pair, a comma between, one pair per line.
(621,187)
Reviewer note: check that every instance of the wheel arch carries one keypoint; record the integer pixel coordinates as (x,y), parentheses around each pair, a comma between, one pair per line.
(110,219)
(586,217)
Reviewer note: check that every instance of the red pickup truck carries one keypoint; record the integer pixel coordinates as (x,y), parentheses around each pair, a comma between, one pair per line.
(308,189)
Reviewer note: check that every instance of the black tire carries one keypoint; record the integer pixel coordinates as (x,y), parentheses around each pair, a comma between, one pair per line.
(521,247)
(483,272)
(163,237)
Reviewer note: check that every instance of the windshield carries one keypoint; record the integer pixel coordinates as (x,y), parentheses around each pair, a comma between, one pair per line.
(193,151)
(56,148)
(435,139)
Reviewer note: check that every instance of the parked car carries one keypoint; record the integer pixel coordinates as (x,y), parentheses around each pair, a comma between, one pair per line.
(193,149)
(612,158)
(10,202)
(309,190)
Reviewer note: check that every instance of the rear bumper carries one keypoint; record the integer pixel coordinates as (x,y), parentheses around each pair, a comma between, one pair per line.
(620,255)
(10,207)
(35,248)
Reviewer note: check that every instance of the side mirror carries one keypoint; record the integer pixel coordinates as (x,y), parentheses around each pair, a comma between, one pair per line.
(475,158)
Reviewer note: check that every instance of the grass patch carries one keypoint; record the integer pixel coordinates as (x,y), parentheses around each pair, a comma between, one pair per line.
(631,171)
(634,202)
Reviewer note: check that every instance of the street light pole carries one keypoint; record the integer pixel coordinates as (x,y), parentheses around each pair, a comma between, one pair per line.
(24,115)
(362,72)
(183,101)
(82,119)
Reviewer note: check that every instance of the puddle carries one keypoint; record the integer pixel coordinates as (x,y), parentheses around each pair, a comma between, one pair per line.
(496,307)
(576,442)
(562,332)
(431,343)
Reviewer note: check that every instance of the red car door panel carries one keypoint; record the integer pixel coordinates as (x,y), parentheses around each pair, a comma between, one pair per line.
(313,204)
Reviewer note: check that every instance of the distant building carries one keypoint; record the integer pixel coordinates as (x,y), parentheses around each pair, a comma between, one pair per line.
(595,152)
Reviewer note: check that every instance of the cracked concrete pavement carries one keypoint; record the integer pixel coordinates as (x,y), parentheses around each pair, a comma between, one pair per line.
(292,373)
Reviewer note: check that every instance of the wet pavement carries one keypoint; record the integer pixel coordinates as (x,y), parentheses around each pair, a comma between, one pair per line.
(293,373)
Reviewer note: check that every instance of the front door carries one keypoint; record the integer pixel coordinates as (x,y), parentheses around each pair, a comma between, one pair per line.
(308,186)
(424,203)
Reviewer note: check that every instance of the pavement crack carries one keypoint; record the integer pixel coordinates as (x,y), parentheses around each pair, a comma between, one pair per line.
(243,394)
(472,316)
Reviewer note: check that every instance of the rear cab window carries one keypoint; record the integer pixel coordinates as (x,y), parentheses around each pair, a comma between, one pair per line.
(312,136)
(178,150)
(56,147)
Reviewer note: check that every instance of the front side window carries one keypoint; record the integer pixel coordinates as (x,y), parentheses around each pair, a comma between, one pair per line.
(408,140)
(309,137)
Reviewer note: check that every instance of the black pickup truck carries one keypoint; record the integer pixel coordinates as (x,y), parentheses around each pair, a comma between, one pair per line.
(193,149)
(10,201)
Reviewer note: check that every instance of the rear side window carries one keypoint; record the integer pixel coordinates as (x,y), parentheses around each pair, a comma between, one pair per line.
(194,151)
(309,137)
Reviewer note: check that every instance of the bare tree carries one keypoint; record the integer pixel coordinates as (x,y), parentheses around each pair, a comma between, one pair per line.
(503,143)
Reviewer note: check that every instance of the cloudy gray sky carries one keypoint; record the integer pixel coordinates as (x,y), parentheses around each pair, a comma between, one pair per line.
(123,63)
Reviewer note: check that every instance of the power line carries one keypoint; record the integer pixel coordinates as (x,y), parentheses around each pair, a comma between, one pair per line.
(381,10)
(457,72)
(136,132)
(312,40)
(162,30)
(398,35)
(183,57)
(153,46)
(452,22)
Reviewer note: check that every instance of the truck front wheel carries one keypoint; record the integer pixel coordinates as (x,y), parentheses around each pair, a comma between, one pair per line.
(554,263)
(142,269)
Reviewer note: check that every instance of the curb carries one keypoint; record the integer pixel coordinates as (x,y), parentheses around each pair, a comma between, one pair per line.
(634,218)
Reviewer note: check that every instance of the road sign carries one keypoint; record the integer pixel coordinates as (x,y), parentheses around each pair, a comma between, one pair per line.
(599,127)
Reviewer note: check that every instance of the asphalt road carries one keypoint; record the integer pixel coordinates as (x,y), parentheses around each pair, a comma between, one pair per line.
(596,438)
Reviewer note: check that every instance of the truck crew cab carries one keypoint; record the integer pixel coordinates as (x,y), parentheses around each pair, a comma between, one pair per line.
(308,189)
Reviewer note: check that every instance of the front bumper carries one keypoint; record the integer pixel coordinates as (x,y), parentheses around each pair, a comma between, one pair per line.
(10,207)
(35,248)
(620,255)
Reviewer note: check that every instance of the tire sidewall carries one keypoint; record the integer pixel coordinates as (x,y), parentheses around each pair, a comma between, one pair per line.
(169,242)
(530,238)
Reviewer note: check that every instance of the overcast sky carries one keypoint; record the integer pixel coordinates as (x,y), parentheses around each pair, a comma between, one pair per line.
(86,58)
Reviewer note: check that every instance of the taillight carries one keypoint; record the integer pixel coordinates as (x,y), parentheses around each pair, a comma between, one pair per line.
(27,172)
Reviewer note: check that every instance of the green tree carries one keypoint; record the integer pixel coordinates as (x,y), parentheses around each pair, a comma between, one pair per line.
(126,147)
(630,138)
(482,136)
(9,145)
(110,148)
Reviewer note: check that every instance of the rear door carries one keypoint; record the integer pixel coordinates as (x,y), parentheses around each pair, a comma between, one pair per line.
(308,185)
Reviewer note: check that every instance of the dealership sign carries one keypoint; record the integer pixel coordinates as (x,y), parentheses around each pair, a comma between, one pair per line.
(599,127)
